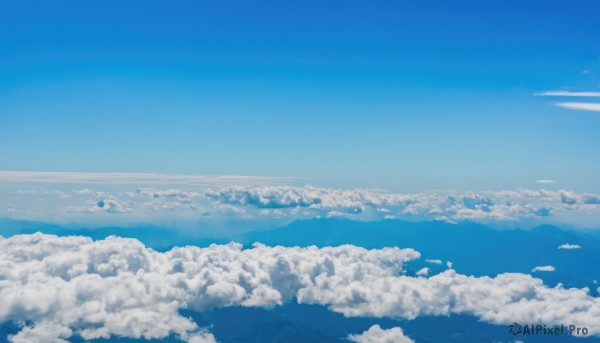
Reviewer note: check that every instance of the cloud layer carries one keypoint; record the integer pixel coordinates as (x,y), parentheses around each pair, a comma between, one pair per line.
(132,178)
(291,202)
(57,287)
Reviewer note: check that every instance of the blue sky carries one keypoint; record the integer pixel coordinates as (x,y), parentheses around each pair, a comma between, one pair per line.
(405,95)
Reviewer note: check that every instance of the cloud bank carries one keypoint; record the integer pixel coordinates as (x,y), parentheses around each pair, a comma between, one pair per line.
(289,203)
(57,287)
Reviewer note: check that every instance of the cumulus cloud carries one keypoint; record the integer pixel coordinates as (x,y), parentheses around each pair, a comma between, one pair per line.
(64,286)
(569,246)
(376,334)
(543,269)
(72,285)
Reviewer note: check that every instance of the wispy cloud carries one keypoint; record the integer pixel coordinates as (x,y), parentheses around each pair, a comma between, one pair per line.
(568,93)
(543,269)
(581,106)
(545,181)
(133,178)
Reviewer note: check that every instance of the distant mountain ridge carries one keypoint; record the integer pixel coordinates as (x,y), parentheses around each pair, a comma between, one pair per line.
(473,248)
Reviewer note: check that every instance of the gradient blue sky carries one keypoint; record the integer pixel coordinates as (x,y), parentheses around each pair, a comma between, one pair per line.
(404,95)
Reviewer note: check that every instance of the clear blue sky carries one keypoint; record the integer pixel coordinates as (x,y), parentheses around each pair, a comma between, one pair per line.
(406,95)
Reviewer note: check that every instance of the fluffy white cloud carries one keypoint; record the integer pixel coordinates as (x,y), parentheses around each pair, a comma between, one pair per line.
(569,246)
(543,269)
(65,286)
(376,334)
(119,287)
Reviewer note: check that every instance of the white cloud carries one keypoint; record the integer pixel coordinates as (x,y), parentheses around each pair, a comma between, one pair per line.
(569,94)
(64,286)
(376,334)
(569,246)
(543,269)
(201,337)
(116,286)
(423,271)
(582,106)
(545,181)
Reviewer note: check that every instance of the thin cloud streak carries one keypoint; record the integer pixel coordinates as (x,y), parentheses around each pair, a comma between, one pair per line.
(581,106)
(567,93)
(134,178)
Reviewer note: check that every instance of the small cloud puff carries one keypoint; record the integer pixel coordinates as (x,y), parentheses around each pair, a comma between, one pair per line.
(543,269)
(545,181)
(569,246)
(434,261)
(376,334)
(423,271)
